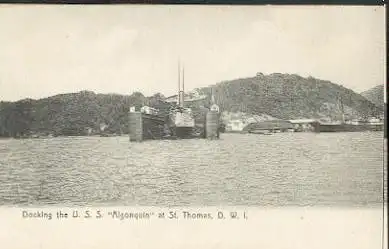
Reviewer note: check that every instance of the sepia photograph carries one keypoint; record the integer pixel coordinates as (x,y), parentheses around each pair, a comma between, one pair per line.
(166,106)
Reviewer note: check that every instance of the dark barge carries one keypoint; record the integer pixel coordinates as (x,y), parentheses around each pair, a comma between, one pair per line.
(144,126)
(349,127)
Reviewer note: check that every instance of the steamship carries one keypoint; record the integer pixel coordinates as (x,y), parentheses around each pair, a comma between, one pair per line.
(350,126)
(172,119)
(181,122)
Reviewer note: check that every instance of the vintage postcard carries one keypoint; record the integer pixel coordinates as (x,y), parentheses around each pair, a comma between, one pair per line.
(165,126)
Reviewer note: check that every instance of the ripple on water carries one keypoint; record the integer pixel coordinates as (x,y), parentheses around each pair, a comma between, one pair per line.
(283,169)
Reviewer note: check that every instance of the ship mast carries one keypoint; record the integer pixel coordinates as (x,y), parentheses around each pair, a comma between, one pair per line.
(183,87)
(341,108)
(183,81)
(181,92)
(212,97)
(179,84)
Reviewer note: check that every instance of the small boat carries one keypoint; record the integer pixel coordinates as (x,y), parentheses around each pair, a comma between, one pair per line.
(260,132)
(107,135)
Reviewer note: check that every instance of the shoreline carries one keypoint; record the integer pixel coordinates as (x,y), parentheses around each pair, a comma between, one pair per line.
(229,132)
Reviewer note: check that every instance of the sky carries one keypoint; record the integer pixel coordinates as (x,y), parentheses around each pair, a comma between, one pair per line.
(53,49)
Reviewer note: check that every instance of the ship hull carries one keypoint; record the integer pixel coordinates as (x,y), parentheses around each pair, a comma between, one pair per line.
(154,127)
(182,124)
(182,120)
(350,127)
(183,132)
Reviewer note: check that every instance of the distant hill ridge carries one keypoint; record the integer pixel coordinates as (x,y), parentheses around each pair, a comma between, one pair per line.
(280,96)
(290,96)
(375,95)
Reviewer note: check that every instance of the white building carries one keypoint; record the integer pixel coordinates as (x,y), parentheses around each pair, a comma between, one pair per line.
(302,121)
(215,108)
(235,125)
(375,120)
(148,110)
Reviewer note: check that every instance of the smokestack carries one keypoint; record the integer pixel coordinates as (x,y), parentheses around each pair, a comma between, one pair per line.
(180,96)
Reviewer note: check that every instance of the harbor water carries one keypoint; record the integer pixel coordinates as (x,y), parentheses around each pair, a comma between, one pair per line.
(285,169)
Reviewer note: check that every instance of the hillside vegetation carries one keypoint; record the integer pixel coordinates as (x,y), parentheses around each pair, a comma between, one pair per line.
(279,96)
(375,95)
(287,96)
(68,114)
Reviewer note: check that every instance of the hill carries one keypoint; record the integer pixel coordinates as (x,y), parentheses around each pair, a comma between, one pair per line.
(286,96)
(275,96)
(68,114)
(375,95)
